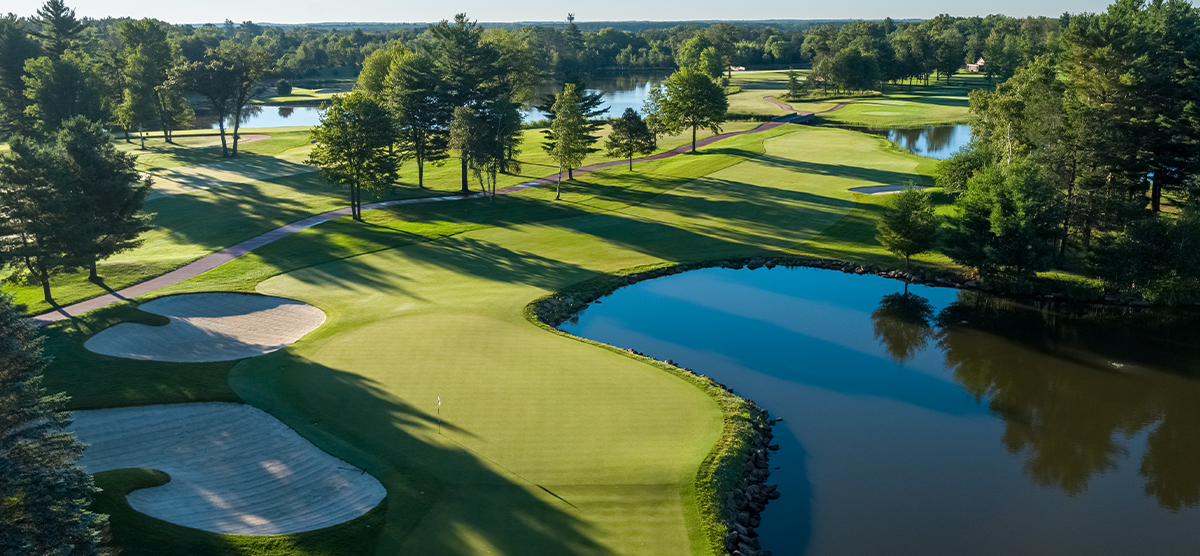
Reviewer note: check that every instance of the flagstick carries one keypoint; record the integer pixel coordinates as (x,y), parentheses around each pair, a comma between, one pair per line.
(439,414)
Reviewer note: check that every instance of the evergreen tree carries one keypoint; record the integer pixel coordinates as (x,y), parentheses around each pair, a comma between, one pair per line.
(413,96)
(44,494)
(630,137)
(109,193)
(353,145)
(58,27)
(149,96)
(38,230)
(16,47)
(62,88)
(469,69)
(910,226)
(1009,223)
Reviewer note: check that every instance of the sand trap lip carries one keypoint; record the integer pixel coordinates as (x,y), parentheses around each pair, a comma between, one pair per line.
(210,327)
(234,468)
(882,189)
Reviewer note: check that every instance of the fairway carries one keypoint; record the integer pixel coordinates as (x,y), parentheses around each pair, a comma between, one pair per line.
(542,444)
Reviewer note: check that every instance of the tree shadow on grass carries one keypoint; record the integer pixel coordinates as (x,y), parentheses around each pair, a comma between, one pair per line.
(442,498)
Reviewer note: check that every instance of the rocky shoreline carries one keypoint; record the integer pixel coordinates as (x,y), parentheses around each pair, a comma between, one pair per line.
(742,503)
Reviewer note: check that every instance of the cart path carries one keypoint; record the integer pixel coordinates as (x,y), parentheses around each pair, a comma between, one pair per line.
(771,99)
(209,262)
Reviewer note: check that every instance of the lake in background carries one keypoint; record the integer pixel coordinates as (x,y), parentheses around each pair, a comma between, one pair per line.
(938,142)
(267,116)
(941,422)
(621,91)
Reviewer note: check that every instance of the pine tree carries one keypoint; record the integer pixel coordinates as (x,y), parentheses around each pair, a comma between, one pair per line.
(44,494)
(412,96)
(591,105)
(38,232)
(59,28)
(909,227)
(109,193)
(16,47)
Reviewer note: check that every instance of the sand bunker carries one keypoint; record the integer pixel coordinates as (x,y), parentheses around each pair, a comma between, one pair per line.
(234,468)
(210,327)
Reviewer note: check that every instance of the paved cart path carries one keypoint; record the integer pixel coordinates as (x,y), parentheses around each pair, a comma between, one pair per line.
(209,262)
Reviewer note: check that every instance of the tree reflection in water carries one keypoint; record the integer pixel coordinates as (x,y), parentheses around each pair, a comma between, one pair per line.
(1074,386)
(902,324)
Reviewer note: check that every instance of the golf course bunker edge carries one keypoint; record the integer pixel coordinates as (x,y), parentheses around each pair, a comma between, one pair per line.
(207,327)
(234,468)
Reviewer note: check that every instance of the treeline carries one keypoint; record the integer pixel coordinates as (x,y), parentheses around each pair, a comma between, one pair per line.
(862,55)
(1087,158)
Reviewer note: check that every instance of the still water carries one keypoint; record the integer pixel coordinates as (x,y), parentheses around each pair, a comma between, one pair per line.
(934,142)
(941,422)
(267,116)
(621,91)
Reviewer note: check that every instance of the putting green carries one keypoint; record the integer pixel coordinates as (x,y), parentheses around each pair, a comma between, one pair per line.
(879,113)
(548,445)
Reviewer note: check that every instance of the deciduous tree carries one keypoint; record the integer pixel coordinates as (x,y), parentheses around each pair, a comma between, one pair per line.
(630,137)
(690,99)
(353,145)
(570,145)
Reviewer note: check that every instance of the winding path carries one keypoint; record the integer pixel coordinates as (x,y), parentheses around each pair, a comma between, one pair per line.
(209,262)
(771,99)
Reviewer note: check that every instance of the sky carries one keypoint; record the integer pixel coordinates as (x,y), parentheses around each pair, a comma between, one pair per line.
(313,11)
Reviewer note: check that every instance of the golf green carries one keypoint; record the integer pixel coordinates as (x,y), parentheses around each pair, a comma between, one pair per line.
(542,443)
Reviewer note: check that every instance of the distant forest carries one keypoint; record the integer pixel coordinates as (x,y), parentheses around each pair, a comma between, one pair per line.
(297,51)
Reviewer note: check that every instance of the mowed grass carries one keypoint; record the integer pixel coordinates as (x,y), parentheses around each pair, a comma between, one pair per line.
(547,445)
(938,103)
(243,202)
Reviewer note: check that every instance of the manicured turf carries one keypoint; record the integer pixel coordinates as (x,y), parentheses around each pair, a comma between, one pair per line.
(902,105)
(548,445)
(191,225)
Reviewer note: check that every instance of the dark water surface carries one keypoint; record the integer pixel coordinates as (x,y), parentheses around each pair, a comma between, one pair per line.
(934,142)
(941,422)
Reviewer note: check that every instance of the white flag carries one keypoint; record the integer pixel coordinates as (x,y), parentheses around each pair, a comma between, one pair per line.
(439,401)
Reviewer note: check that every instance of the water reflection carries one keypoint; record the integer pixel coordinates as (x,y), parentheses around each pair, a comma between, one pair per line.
(921,420)
(1071,411)
(621,91)
(902,324)
(257,116)
(934,142)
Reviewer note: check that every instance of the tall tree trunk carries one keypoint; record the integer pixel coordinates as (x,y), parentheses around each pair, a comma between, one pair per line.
(631,163)
(693,138)
(224,147)
(1156,195)
(466,189)
(142,136)
(570,173)
(237,124)
(45,278)
(558,186)
(420,173)
(93,276)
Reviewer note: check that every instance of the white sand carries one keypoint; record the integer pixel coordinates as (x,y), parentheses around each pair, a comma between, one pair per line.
(234,468)
(210,327)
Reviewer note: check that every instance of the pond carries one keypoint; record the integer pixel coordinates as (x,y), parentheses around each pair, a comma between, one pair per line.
(934,142)
(938,422)
(266,116)
(621,91)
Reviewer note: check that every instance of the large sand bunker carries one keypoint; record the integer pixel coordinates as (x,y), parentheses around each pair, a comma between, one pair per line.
(234,468)
(210,327)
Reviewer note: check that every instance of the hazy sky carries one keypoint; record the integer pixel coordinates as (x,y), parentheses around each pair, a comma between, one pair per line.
(301,11)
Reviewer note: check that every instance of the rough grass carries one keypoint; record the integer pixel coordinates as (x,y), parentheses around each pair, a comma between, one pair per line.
(547,445)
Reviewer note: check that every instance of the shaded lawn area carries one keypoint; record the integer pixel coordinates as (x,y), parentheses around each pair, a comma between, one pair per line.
(549,445)
(190,225)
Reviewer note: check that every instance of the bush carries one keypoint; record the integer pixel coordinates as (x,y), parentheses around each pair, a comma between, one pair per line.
(283,87)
